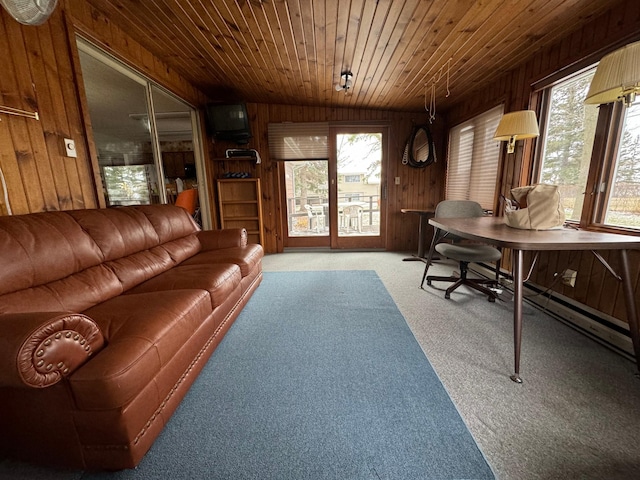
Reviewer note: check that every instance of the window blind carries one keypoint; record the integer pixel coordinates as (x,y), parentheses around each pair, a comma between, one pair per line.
(473,159)
(299,141)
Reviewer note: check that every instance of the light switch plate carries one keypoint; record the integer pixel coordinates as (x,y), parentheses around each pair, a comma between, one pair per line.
(70,148)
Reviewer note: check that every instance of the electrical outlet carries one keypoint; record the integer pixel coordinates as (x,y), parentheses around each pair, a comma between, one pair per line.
(569,277)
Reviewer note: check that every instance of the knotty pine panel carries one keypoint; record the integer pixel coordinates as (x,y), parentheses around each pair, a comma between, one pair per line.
(419,188)
(36,74)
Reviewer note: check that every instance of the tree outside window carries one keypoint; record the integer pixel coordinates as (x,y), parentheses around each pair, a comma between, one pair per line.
(623,204)
(567,155)
(568,142)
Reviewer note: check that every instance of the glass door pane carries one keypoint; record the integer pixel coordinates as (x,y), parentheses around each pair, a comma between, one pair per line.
(175,143)
(359,159)
(307,200)
(118,110)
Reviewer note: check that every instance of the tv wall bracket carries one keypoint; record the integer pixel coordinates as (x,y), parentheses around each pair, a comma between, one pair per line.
(243,152)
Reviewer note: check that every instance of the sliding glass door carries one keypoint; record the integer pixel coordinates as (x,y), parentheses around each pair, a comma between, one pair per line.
(147,139)
(337,202)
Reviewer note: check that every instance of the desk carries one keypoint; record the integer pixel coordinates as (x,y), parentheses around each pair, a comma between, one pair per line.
(493,230)
(424,216)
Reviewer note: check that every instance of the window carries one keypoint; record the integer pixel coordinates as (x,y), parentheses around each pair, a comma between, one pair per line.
(352,179)
(568,157)
(473,159)
(622,208)
(569,130)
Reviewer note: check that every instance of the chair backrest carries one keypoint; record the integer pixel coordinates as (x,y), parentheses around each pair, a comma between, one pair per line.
(352,210)
(459,209)
(188,199)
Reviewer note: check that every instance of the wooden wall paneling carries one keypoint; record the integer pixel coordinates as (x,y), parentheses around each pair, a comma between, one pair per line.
(603,298)
(84,186)
(417,187)
(26,133)
(583,265)
(595,279)
(10,125)
(89,170)
(11,171)
(612,296)
(52,116)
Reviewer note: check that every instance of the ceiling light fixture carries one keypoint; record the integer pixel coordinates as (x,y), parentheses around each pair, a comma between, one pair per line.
(345,82)
(516,125)
(617,77)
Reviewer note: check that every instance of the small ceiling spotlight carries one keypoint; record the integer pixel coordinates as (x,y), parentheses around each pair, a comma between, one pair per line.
(345,82)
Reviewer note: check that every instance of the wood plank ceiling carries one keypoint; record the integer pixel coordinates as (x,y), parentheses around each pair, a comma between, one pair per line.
(294,51)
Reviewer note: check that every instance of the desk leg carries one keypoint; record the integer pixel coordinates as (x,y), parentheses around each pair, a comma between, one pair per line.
(517,311)
(630,303)
(421,229)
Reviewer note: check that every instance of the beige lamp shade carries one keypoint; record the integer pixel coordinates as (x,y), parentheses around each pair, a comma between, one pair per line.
(617,77)
(516,125)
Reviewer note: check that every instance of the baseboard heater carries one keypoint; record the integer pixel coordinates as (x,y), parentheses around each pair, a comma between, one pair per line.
(603,328)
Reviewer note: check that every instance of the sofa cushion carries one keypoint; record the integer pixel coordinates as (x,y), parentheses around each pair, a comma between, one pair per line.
(245,257)
(142,333)
(220,280)
(120,232)
(41,248)
(139,243)
(74,293)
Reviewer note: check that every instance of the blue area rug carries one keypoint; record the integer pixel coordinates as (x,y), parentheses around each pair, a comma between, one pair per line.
(319,378)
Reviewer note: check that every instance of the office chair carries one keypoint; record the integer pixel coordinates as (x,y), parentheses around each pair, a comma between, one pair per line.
(188,199)
(464,253)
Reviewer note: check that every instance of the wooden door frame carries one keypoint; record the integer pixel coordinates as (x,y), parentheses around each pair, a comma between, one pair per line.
(357,242)
(332,240)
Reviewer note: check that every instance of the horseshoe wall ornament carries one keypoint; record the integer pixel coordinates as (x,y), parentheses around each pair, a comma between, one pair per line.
(419,152)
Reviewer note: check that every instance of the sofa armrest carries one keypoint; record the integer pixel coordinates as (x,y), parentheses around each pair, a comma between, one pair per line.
(39,349)
(225,238)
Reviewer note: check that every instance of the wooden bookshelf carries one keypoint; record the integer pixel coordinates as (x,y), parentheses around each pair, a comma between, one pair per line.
(240,206)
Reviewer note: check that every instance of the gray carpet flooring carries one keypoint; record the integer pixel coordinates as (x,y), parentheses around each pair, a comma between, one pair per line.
(574,417)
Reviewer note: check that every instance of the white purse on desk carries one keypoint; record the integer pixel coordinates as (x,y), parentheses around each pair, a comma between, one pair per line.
(534,207)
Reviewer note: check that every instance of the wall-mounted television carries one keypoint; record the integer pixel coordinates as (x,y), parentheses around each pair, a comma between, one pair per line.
(229,121)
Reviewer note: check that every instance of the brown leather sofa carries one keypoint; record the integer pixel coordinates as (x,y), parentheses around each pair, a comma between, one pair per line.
(106,318)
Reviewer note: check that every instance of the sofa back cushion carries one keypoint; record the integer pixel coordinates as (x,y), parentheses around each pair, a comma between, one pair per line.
(70,261)
(41,248)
